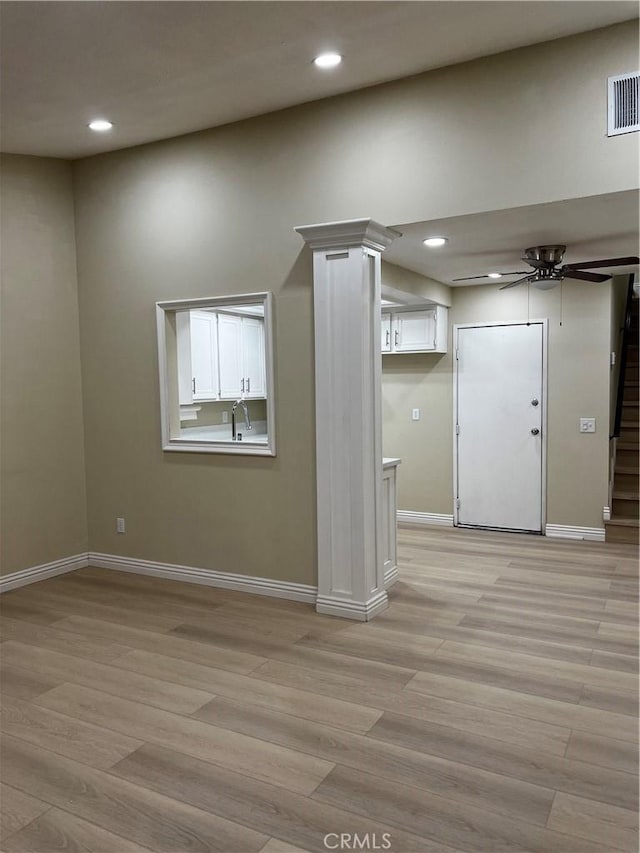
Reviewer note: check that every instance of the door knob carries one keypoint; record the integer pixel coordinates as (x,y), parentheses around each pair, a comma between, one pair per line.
(535,431)
(535,402)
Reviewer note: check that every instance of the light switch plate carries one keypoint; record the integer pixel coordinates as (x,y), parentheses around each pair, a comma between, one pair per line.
(415,414)
(587,424)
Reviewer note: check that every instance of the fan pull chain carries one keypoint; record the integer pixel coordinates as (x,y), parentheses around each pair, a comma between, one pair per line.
(561,292)
(528,303)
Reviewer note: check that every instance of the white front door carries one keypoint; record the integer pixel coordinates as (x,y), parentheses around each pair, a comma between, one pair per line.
(499,419)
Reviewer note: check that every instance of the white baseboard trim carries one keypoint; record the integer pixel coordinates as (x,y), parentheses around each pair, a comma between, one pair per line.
(207,577)
(565,531)
(46,570)
(391,576)
(360,611)
(425,518)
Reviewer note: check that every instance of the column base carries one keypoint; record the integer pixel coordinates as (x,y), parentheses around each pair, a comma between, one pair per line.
(362,611)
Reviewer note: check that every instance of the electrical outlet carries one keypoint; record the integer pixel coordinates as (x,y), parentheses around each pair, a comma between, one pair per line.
(415,414)
(587,424)
(225,417)
(120,525)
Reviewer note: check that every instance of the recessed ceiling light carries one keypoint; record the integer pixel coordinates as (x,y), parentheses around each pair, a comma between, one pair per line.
(100,125)
(328,60)
(495,275)
(434,242)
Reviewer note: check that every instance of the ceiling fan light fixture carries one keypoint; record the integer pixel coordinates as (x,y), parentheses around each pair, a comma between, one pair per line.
(546,283)
(434,242)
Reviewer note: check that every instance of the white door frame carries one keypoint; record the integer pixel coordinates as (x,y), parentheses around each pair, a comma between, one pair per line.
(544,419)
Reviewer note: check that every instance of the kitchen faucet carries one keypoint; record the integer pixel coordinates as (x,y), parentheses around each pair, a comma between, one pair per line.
(247,419)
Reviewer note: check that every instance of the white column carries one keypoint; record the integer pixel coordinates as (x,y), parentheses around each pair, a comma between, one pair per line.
(346,272)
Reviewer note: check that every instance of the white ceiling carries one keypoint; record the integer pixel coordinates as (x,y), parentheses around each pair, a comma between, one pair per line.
(594,227)
(160,69)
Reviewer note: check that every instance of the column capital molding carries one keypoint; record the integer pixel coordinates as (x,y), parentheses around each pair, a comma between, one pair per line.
(348,234)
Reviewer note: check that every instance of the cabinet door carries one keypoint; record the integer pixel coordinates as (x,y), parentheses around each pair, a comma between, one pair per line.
(414,331)
(253,363)
(204,355)
(386,333)
(230,356)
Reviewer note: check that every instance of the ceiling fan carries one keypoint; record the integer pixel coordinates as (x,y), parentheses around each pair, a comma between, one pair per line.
(548,269)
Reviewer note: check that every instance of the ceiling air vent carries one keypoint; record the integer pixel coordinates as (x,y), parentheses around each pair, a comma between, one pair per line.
(624,95)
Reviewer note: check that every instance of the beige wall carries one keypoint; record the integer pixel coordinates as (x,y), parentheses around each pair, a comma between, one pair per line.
(42,457)
(212,213)
(411,282)
(578,385)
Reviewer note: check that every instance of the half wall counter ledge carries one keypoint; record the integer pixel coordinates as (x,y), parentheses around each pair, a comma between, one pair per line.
(390,519)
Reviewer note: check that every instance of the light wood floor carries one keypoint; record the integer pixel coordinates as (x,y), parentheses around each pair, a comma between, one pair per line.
(492,707)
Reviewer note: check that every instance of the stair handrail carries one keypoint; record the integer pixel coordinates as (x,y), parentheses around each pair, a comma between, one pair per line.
(626,334)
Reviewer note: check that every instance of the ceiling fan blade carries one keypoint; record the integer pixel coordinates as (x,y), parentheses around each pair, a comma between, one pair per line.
(583,275)
(605,262)
(515,283)
(486,275)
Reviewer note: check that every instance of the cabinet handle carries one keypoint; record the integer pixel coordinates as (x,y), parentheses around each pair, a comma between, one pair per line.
(243,386)
(249,385)
(193,382)
(396,338)
(388,336)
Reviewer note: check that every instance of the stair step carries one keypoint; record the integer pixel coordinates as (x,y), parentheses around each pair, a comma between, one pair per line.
(616,521)
(628,469)
(625,496)
(627,445)
(630,425)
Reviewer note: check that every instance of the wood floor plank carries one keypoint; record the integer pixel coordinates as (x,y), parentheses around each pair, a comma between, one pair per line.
(148,818)
(595,821)
(280,766)
(584,638)
(273,845)
(577,673)
(618,701)
(17,809)
(301,656)
(405,651)
(547,771)
(14,607)
(61,641)
(59,830)
(89,744)
(152,691)
(436,817)
(289,700)
(458,782)
(23,683)
(603,751)
(460,715)
(564,714)
(166,644)
(622,663)
(290,817)
(128,612)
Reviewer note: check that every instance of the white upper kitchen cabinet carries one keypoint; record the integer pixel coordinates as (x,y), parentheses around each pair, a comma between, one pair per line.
(415,331)
(197,345)
(386,333)
(242,359)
